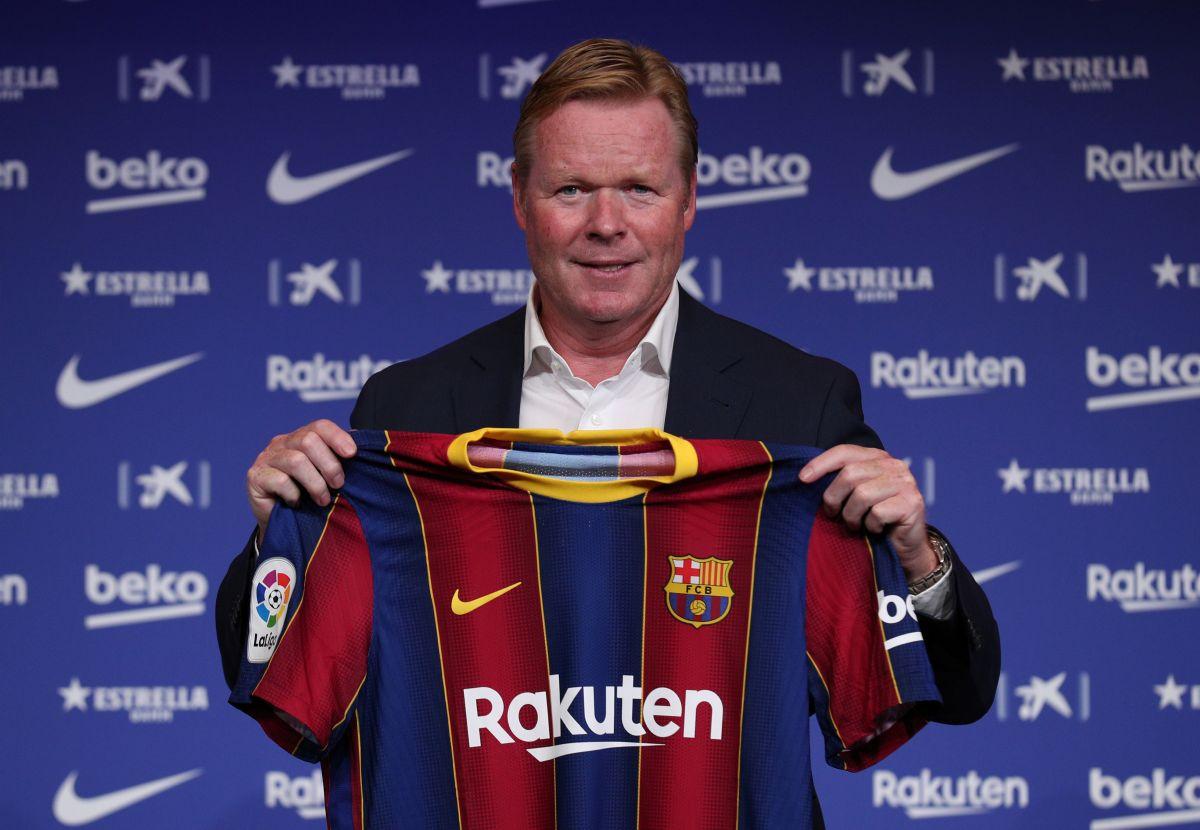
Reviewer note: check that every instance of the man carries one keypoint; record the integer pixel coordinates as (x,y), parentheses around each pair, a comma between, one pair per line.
(604,188)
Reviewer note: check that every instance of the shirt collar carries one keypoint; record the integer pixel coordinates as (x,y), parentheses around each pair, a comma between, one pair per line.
(655,346)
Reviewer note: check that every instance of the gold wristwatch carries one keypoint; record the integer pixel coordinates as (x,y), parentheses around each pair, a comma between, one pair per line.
(942,548)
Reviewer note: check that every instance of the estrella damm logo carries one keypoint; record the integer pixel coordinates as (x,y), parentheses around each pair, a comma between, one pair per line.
(698,590)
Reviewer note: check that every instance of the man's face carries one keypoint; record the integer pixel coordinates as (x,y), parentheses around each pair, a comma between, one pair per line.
(604,208)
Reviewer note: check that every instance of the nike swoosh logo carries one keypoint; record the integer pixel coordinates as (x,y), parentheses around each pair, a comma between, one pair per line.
(72,810)
(287,189)
(460,607)
(76,393)
(999,570)
(888,184)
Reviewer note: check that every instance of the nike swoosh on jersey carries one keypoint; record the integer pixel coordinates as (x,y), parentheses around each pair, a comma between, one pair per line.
(888,184)
(459,606)
(76,393)
(73,811)
(287,189)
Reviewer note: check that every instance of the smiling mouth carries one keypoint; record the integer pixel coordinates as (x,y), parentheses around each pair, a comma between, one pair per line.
(605,267)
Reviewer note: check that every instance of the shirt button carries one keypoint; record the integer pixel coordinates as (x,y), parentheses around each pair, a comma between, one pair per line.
(595,419)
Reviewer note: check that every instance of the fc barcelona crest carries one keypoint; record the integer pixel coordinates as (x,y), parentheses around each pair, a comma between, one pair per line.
(698,590)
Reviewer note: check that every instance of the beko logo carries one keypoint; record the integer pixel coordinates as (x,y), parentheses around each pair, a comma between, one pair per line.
(167,595)
(768,176)
(1170,799)
(173,180)
(1175,375)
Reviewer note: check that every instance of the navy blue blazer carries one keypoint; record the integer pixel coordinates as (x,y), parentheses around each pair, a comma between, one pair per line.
(728,380)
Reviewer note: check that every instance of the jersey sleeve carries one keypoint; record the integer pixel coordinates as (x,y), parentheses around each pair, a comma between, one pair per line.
(867,660)
(305,656)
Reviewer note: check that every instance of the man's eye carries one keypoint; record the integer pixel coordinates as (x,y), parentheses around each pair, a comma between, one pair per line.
(640,189)
(569,190)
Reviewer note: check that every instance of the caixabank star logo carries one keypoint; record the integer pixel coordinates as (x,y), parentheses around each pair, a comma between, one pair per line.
(698,591)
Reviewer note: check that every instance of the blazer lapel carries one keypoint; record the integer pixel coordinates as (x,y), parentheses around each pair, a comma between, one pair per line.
(487,391)
(703,402)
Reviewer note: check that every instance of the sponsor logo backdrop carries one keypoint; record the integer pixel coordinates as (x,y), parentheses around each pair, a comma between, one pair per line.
(220,219)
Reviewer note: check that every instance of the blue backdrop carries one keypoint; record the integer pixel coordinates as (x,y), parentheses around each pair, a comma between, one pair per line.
(988,212)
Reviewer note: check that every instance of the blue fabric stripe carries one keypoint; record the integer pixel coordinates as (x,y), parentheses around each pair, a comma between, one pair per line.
(910,662)
(412,785)
(595,638)
(776,776)
(339,812)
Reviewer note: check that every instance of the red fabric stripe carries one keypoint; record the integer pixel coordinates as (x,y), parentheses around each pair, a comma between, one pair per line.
(708,516)
(482,539)
(843,632)
(320,662)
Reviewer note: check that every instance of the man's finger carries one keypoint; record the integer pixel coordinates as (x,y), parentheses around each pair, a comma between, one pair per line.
(845,482)
(296,464)
(867,496)
(336,437)
(318,452)
(835,458)
(271,484)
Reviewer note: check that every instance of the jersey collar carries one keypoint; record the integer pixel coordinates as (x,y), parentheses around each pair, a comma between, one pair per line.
(686,462)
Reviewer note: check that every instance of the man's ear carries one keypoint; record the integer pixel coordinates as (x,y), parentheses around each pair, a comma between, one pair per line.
(689,211)
(518,189)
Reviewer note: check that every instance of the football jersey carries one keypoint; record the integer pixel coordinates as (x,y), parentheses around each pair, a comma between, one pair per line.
(517,629)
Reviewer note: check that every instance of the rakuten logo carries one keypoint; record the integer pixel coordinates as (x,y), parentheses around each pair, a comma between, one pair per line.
(937,796)
(927,376)
(169,594)
(1173,800)
(1144,589)
(320,379)
(176,180)
(1141,169)
(305,795)
(487,711)
(1179,372)
(14,590)
(769,176)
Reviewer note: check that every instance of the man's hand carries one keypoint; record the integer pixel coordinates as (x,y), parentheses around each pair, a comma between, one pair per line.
(878,493)
(305,458)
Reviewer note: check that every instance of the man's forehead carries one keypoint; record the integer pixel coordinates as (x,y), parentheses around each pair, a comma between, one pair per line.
(636,134)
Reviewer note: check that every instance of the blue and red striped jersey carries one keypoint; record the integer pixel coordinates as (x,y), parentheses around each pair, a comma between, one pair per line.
(517,629)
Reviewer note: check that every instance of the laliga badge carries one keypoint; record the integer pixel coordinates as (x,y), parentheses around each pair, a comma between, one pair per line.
(272,590)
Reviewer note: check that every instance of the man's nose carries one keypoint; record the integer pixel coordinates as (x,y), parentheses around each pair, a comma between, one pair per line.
(606,219)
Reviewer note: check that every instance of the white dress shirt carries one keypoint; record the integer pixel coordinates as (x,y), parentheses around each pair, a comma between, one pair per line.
(552,397)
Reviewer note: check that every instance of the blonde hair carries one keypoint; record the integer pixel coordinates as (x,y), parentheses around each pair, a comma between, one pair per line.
(607,69)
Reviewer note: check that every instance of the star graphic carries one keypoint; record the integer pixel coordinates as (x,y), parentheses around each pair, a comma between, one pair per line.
(287,73)
(1014,476)
(1168,271)
(75,696)
(437,278)
(1013,66)
(799,276)
(76,280)
(1170,693)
